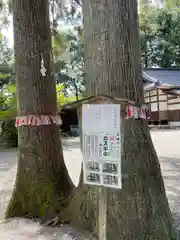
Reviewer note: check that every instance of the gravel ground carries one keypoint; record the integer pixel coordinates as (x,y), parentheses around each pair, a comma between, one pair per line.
(166,144)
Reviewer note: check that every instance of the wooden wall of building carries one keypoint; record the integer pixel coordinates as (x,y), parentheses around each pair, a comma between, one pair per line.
(164,107)
(173,108)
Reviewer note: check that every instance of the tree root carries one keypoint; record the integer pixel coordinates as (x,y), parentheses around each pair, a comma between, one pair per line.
(53,222)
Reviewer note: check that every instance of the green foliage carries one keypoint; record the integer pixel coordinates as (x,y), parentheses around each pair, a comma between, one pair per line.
(60,41)
(62,98)
(9,100)
(8,108)
(69,65)
(68,45)
(8,113)
(147,32)
(169,4)
(6,52)
(9,133)
(168,36)
(160,36)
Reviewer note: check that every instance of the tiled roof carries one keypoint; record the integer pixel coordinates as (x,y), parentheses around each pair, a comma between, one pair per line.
(166,77)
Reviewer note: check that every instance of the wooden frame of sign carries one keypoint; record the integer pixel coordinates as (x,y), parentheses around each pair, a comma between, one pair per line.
(129,109)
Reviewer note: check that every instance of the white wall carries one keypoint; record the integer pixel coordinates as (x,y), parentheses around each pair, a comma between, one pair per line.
(154,107)
(163,106)
(174,107)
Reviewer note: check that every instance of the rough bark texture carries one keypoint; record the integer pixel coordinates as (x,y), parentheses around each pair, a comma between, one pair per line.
(42,185)
(112,64)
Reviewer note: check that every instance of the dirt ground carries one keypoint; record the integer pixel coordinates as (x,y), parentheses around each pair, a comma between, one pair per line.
(166,144)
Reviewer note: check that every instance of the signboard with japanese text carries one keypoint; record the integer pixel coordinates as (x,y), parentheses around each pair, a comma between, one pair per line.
(101,145)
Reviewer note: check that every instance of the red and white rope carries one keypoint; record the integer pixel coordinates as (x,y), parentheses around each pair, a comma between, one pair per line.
(138,112)
(41,120)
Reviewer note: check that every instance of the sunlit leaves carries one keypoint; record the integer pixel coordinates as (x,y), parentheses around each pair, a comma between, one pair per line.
(8,100)
(160,36)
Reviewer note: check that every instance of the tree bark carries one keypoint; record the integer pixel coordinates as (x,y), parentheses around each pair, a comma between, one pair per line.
(112,66)
(42,186)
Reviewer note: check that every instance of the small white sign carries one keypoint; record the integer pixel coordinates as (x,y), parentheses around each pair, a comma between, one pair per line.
(99,118)
(101,145)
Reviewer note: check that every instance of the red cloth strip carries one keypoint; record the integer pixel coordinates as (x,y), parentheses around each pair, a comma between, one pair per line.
(138,112)
(41,120)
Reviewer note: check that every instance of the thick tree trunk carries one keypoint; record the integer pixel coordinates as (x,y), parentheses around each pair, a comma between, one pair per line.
(112,65)
(42,185)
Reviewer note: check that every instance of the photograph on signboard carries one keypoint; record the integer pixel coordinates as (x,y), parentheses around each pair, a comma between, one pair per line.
(93,177)
(110,180)
(92,166)
(111,168)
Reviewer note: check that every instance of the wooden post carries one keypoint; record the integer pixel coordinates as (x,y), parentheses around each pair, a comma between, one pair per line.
(102,213)
(158,108)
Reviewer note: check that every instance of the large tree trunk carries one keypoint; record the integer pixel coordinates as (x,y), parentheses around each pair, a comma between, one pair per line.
(112,65)
(42,185)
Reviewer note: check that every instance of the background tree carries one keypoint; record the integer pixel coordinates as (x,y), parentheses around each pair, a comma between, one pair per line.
(172,4)
(73,71)
(6,67)
(160,34)
(112,66)
(69,64)
(147,33)
(66,50)
(168,37)
(42,185)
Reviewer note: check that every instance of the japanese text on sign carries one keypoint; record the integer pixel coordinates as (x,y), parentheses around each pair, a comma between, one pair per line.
(101,145)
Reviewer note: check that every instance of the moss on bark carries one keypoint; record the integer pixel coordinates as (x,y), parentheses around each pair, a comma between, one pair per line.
(36,198)
(31,199)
